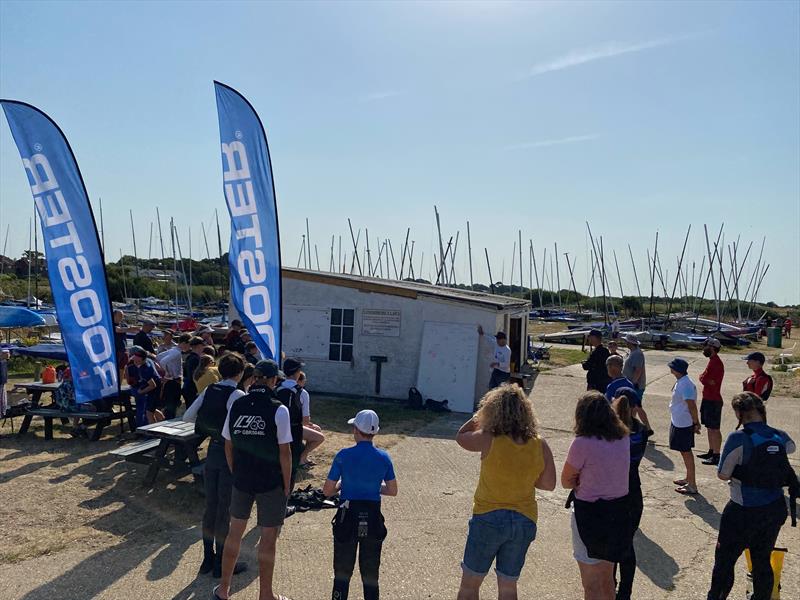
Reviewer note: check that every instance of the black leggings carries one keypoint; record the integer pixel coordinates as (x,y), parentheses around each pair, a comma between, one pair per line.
(369,563)
(627,566)
(742,527)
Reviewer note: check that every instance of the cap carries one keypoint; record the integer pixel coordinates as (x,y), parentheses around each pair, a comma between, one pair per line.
(197,341)
(138,351)
(679,365)
(713,342)
(366,421)
(236,323)
(148,322)
(500,335)
(757,356)
(267,368)
(632,339)
(292,365)
(629,393)
(596,333)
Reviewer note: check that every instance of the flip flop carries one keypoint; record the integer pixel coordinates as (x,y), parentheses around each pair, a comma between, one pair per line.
(680,482)
(687,490)
(214,595)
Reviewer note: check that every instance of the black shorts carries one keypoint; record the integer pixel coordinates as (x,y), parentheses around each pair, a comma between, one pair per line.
(711,413)
(270,506)
(681,438)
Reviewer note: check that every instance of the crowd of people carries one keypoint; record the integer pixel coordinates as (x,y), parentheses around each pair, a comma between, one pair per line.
(257,416)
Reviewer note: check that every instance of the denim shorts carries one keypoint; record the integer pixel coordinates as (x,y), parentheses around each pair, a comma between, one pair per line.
(500,536)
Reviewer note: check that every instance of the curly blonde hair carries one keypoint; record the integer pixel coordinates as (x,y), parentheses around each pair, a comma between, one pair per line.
(506,410)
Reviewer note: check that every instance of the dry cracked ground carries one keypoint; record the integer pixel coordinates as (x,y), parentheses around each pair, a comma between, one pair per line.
(78,524)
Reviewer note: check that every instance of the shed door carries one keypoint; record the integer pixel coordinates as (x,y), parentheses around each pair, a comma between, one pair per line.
(447,364)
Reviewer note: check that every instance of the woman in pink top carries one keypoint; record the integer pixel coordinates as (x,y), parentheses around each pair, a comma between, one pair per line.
(596,471)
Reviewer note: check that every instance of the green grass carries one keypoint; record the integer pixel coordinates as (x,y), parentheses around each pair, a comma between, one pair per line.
(563,357)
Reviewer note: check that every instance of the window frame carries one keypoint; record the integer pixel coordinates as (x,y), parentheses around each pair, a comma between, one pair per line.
(342,321)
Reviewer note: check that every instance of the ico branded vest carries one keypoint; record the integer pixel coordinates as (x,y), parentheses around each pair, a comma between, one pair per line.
(254,436)
(212,414)
(290,398)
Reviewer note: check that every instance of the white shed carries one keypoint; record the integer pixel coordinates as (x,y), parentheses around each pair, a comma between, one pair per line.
(365,336)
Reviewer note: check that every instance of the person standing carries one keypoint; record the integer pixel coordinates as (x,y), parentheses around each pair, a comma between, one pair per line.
(501,360)
(363,473)
(614,368)
(595,366)
(171,361)
(624,401)
(596,470)
(257,448)
(289,395)
(787,327)
(684,422)
(755,464)
(190,364)
(167,341)
(760,383)
(711,405)
(121,341)
(634,369)
(206,372)
(515,461)
(208,412)
(4,356)
(146,385)
(252,353)
(143,339)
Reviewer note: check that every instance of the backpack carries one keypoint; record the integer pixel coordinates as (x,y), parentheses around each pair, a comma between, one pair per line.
(769,467)
(436,406)
(414,399)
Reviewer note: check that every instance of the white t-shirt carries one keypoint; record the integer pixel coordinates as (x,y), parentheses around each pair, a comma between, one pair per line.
(281,423)
(191,413)
(305,400)
(172,362)
(683,390)
(502,355)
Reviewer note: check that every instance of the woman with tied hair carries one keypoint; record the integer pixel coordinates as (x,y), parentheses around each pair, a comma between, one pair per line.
(755,463)
(206,373)
(515,461)
(596,471)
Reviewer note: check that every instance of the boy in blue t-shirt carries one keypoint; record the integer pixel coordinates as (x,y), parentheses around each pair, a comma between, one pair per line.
(362,474)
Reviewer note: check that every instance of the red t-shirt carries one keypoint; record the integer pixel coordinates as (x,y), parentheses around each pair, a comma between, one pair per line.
(711,379)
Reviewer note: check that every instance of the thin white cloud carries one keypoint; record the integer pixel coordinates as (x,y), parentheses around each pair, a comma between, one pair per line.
(383,95)
(612,49)
(555,142)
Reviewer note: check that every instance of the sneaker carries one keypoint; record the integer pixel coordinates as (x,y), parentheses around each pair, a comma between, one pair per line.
(705,455)
(712,460)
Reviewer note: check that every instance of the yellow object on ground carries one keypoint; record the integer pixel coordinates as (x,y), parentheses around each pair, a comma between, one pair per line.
(776,561)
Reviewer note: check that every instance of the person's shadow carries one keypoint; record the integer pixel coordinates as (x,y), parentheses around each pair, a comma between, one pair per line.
(704,509)
(656,564)
(658,458)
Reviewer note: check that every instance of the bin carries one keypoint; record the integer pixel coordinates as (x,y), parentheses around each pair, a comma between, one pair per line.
(774,337)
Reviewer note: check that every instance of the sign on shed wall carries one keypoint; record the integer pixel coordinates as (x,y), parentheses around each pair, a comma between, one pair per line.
(384,323)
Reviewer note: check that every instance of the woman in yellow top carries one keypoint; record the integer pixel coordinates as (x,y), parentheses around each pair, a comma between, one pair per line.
(206,373)
(514,462)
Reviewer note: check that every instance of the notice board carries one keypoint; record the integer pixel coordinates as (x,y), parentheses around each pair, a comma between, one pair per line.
(380,322)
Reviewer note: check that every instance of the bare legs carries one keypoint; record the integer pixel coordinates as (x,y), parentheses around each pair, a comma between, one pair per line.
(597,580)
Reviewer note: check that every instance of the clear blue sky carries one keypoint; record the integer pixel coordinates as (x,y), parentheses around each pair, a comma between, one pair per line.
(634,116)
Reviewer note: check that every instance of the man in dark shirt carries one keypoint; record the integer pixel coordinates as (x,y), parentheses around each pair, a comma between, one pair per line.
(190,363)
(595,366)
(143,339)
(257,446)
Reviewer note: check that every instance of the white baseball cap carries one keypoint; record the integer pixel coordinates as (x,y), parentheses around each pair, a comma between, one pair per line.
(366,421)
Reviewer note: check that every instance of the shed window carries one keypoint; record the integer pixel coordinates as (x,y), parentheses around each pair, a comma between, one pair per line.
(341,339)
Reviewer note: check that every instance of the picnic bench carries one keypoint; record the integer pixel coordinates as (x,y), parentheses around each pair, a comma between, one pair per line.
(99,419)
(159,438)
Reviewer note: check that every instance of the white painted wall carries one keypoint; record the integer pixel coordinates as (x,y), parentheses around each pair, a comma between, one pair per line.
(306,306)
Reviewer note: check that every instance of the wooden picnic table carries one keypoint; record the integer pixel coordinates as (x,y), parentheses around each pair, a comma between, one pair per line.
(51,412)
(179,434)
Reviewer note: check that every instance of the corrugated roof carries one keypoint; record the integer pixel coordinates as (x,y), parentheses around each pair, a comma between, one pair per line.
(406,289)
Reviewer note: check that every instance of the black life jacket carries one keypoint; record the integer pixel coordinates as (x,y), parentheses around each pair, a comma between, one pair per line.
(290,398)
(212,414)
(768,466)
(254,436)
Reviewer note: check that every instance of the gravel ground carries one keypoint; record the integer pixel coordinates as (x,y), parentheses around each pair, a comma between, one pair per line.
(145,544)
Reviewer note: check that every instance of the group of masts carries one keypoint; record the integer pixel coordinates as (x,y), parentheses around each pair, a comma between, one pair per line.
(722,265)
